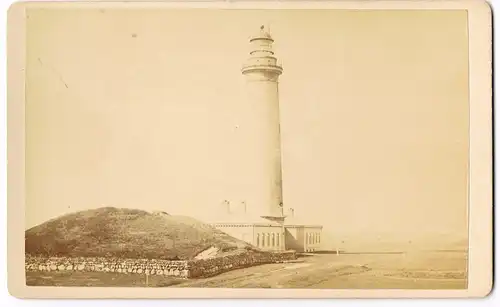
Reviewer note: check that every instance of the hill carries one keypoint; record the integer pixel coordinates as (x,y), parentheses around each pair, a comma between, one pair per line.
(126,233)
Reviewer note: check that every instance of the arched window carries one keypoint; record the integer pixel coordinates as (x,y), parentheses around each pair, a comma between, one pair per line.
(273,241)
(278,240)
(263,239)
(268,240)
(258,240)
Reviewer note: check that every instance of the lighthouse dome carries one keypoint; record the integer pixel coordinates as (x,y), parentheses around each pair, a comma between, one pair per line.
(263,34)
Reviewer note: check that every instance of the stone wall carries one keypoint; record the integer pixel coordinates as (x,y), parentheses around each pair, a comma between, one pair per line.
(116,265)
(182,269)
(210,267)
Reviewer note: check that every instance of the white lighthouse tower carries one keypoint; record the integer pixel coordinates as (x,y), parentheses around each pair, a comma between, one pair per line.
(258,216)
(262,71)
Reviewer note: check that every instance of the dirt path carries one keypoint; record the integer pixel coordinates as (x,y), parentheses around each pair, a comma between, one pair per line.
(325,271)
(346,271)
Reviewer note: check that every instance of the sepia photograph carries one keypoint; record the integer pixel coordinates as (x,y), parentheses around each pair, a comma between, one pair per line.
(285,148)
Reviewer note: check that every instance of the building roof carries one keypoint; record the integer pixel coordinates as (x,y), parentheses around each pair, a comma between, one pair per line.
(293,221)
(235,218)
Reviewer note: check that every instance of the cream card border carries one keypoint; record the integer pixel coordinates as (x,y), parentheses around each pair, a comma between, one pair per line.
(480,189)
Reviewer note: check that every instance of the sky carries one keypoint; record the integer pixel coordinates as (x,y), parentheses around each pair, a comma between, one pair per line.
(137,109)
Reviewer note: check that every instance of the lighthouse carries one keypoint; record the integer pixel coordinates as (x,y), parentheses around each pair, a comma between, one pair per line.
(262,71)
(257,215)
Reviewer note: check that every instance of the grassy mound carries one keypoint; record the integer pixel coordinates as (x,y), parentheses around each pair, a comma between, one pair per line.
(126,233)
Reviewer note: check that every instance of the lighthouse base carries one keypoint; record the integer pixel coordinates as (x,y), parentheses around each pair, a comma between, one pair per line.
(271,233)
(260,232)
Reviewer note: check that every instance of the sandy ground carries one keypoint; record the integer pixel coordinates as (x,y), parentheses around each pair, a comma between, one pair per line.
(429,270)
(439,270)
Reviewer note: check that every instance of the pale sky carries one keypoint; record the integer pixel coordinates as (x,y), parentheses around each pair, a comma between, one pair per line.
(137,109)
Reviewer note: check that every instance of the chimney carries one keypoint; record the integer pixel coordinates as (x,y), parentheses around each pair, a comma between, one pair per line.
(226,206)
(290,211)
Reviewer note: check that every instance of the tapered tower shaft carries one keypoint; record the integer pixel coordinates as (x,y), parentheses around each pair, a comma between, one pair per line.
(262,71)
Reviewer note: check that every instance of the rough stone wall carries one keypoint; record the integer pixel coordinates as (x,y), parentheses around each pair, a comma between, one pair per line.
(210,267)
(116,265)
(182,269)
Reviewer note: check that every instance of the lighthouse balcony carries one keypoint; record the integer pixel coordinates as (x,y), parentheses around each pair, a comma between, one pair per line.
(267,64)
(262,68)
